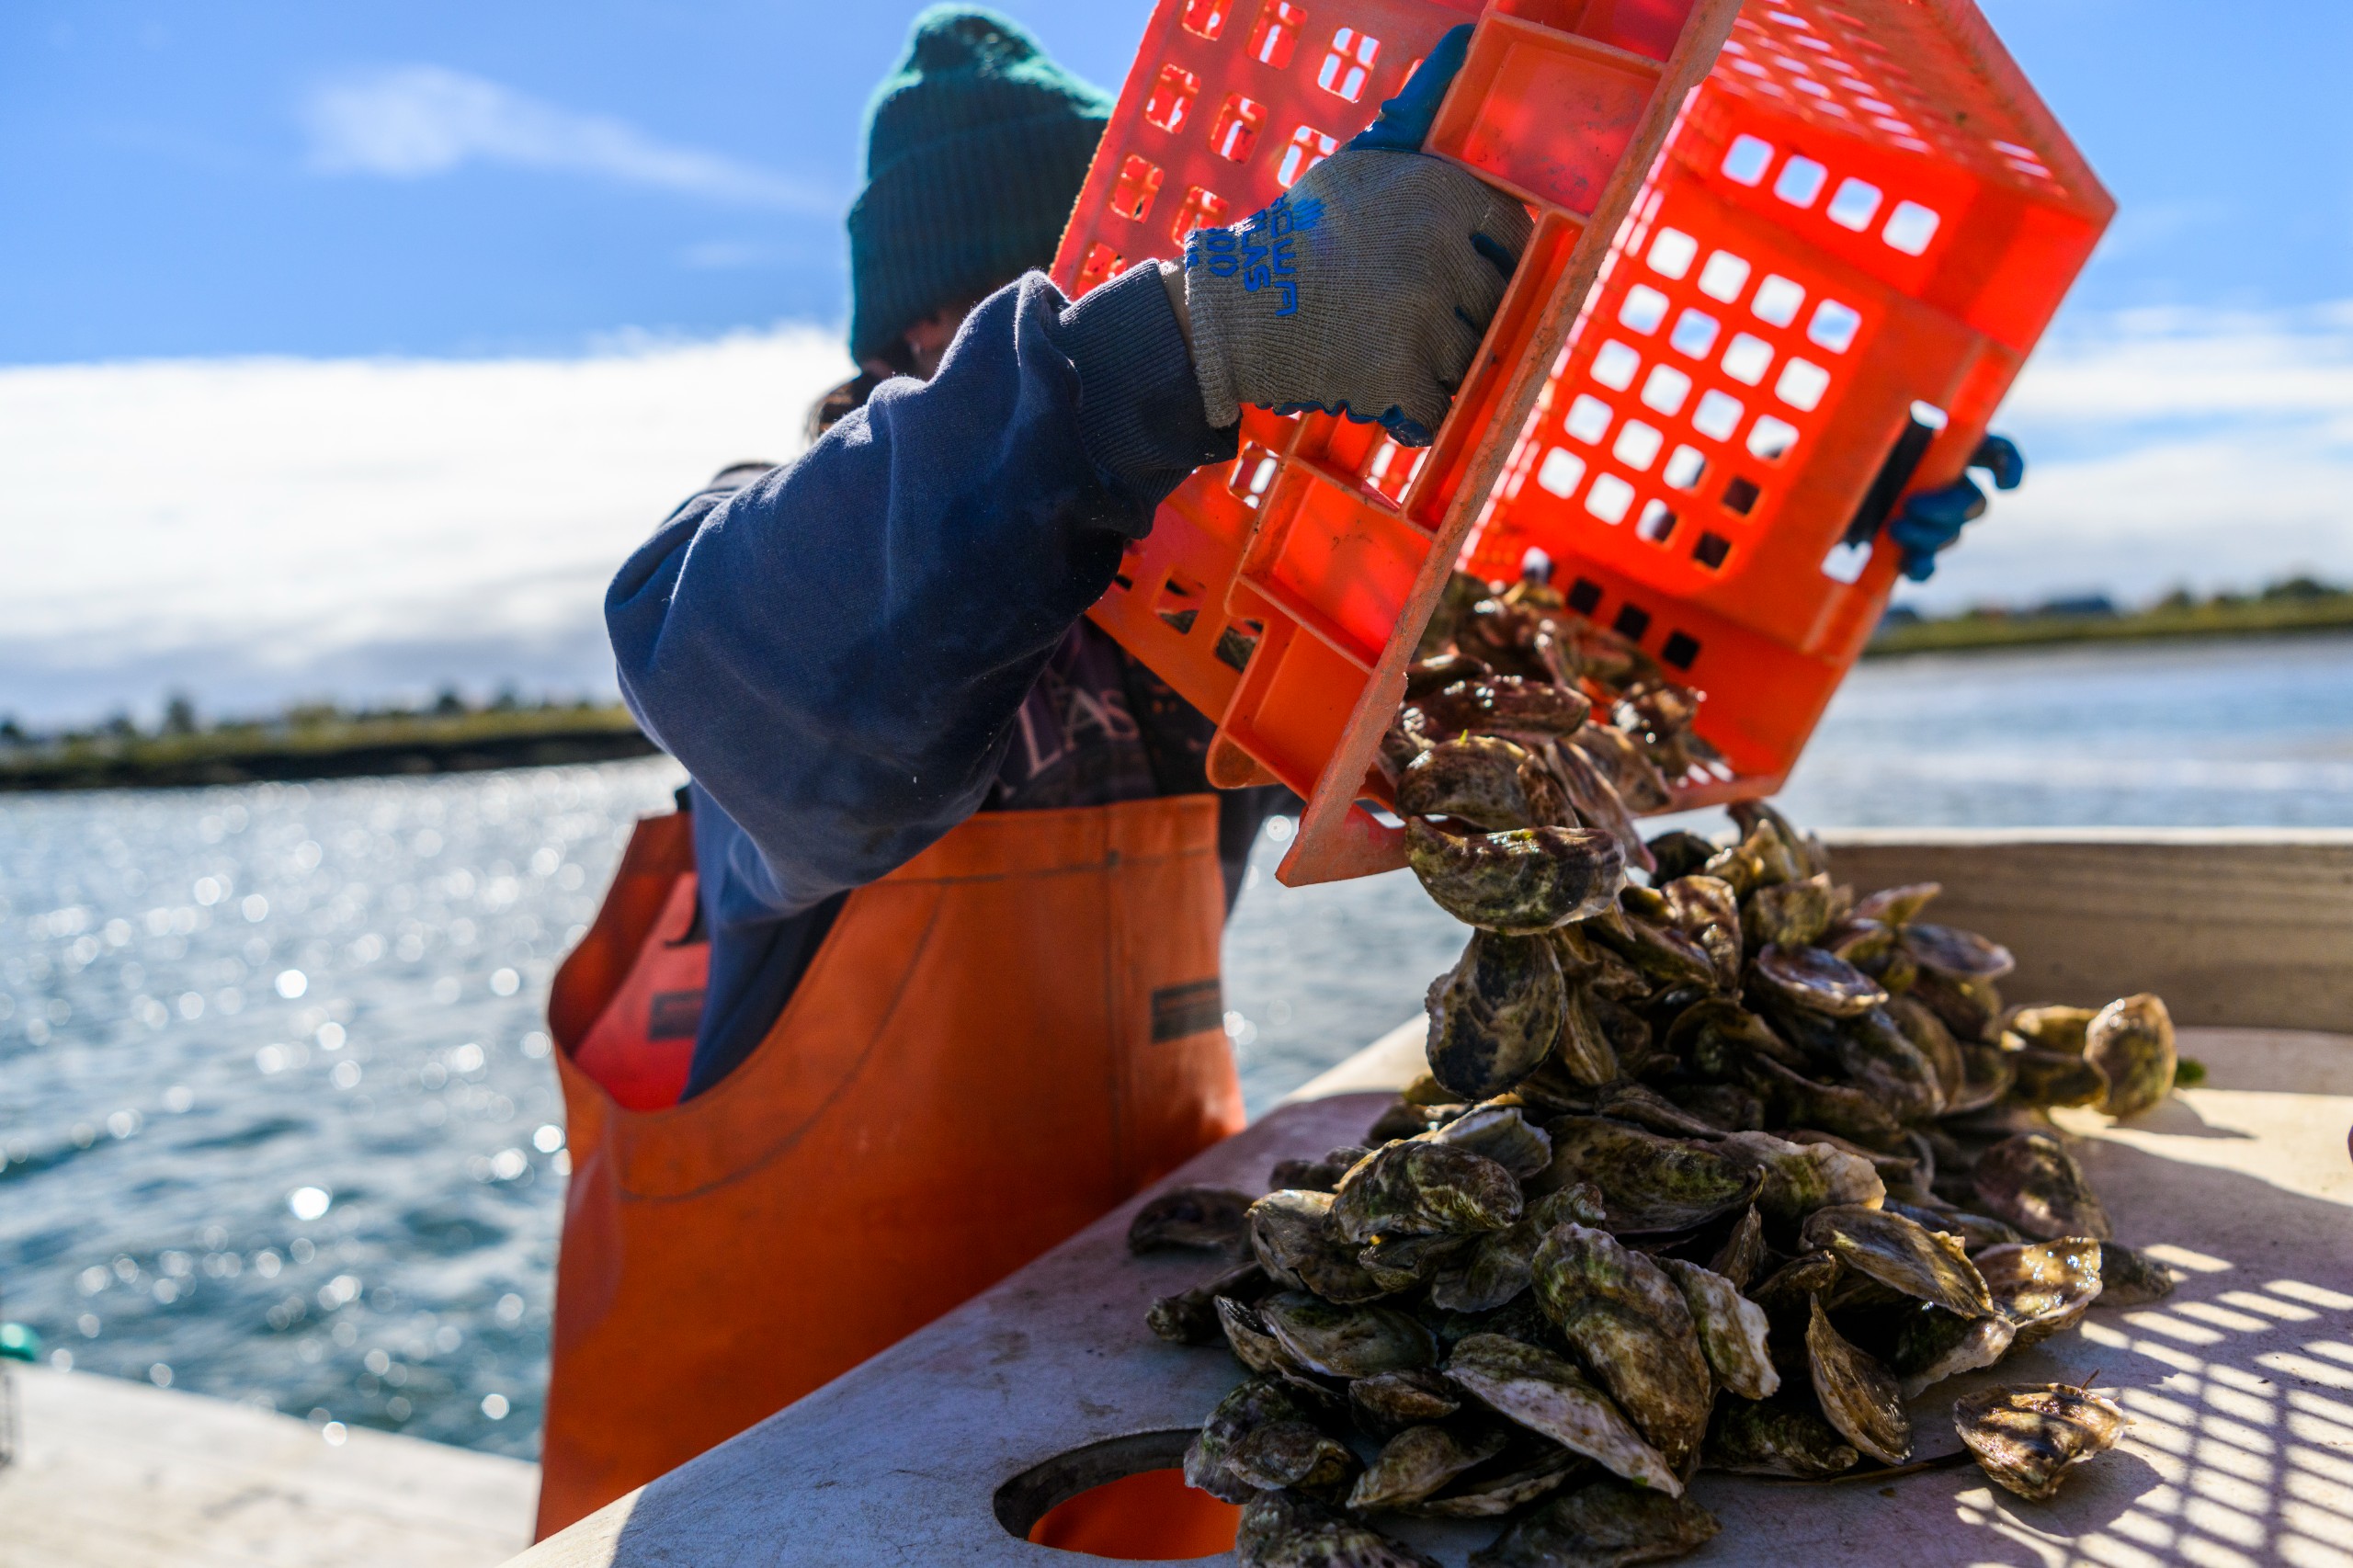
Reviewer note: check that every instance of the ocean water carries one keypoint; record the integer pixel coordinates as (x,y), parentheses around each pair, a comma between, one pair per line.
(276,1121)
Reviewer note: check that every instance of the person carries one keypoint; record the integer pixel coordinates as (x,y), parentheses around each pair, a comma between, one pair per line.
(922,976)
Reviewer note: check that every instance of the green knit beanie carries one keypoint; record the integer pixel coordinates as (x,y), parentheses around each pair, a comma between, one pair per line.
(975,148)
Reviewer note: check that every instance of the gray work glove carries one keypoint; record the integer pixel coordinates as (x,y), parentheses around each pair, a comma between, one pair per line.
(1364,291)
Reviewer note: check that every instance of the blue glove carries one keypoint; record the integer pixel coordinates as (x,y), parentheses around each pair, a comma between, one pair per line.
(1933,519)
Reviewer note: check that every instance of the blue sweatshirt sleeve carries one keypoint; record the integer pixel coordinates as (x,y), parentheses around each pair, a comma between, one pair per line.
(836,650)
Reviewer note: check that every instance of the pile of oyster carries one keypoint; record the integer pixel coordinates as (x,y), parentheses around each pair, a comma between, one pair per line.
(1713,1169)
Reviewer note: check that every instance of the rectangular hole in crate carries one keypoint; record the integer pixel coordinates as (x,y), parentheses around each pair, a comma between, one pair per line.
(1778,301)
(1632,623)
(1238,641)
(1665,388)
(1609,499)
(1307,148)
(1390,468)
(1725,276)
(1658,522)
(1201,209)
(1236,130)
(1173,92)
(1100,264)
(1561,472)
(1253,472)
(1802,384)
(1615,365)
(1684,469)
(1672,253)
(1846,562)
(1771,439)
(1747,358)
(1834,327)
(1746,159)
(1643,310)
(1741,496)
(1139,182)
(1718,415)
(1206,18)
(1910,228)
(1637,444)
(1277,34)
(1856,205)
(1588,419)
(1711,549)
(1680,649)
(1801,181)
(1585,596)
(1179,602)
(1347,64)
(1695,334)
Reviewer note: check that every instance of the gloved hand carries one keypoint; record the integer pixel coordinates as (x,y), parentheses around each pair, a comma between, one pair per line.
(1933,519)
(1365,289)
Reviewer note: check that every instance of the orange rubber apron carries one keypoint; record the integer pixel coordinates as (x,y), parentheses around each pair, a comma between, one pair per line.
(994,1045)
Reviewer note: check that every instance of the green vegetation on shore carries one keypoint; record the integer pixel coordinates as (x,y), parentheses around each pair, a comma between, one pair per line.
(2296,605)
(317,741)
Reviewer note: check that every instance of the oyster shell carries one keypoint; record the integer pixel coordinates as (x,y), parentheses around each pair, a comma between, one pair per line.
(1644,934)
(1680,854)
(1494,1014)
(1255,1345)
(1419,1188)
(2130,1045)
(1189,1317)
(1479,780)
(1967,1006)
(1816,981)
(1782,1436)
(1285,1529)
(1795,915)
(1505,705)
(1346,1342)
(1858,1395)
(1403,1118)
(1500,1268)
(2027,1437)
(1647,1182)
(1583,1050)
(1987,1073)
(1788,1288)
(1626,1319)
(1933,1345)
(1501,1133)
(1723,1108)
(1622,761)
(1442,670)
(1324,1175)
(1708,911)
(1208,1216)
(1954,953)
(1295,1241)
(1604,1525)
(1926,1265)
(1548,1396)
(1510,1483)
(1520,882)
(1897,906)
(1238,1428)
(1935,1043)
(1731,1329)
(1742,1252)
(1399,1263)
(1387,1402)
(2052,1027)
(1421,1461)
(2043,1287)
(2054,1078)
(1596,802)
(1802,1177)
(1977,1231)
(2031,1182)
(2131,1278)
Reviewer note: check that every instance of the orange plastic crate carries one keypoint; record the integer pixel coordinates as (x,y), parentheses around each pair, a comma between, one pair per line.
(1789,257)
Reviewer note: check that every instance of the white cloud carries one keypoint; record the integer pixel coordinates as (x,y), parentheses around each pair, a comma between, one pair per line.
(251,529)
(413,120)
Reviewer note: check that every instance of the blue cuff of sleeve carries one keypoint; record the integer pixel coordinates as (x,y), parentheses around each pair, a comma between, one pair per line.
(1140,413)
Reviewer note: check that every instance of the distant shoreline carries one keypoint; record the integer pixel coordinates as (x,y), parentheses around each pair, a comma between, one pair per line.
(2252,617)
(375,746)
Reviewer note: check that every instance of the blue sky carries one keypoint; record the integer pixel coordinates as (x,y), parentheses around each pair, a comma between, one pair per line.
(238,176)
(345,348)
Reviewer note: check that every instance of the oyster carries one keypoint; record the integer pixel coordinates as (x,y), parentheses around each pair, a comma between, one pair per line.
(1647,1182)
(1967,1006)
(1582,1048)
(1535,711)
(1191,1217)
(1926,1265)
(1387,1402)
(1189,1317)
(1644,934)
(1881,1060)
(1781,1436)
(1548,1396)
(2053,1027)
(1731,1329)
(1897,906)
(2131,1278)
(1723,1108)
(1285,1529)
(1626,1319)
(1437,674)
(1319,1176)
(2031,1182)
(1976,1231)
(1802,1177)
(2054,1078)
(1956,954)
(2026,1437)
(1816,981)
(1399,1263)
(1796,915)
(1255,1345)
(1296,1242)
(1346,1342)
(1680,854)
(1833,1107)
(2130,1045)
(1500,1267)
(1743,1252)
(1790,1286)
(1933,1345)
(1403,1118)
(1520,882)
(1508,1484)
(1418,1189)
(1500,1132)
(2043,1287)
(1271,1427)
(1479,780)
(1494,1014)
(1858,1395)
(1421,1461)
(1987,1073)
(1936,1045)
(1596,802)
(1604,1525)
(1637,781)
